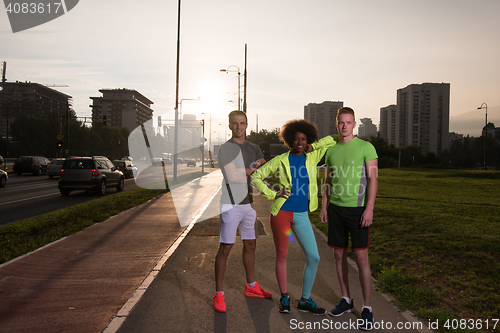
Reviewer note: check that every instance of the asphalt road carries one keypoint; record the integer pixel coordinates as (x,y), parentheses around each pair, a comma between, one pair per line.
(27,195)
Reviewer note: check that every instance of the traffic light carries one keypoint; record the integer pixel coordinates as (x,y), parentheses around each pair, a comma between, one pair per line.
(159,121)
(59,144)
(104,120)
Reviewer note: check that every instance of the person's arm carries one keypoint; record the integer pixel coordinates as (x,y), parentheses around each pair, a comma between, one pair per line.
(255,165)
(323,216)
(323,143)
(258,176)
(372,173)
(235,175)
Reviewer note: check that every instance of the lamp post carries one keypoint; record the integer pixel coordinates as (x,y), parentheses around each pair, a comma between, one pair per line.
(176,129)
(485,130)
(239,75)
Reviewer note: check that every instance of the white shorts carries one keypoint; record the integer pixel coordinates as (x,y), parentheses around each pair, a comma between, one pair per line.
(234,216)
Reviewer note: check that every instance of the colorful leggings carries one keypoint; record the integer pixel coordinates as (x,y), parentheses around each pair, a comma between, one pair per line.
(301,226)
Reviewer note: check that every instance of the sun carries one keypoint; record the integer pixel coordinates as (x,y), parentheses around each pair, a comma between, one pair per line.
(212,96)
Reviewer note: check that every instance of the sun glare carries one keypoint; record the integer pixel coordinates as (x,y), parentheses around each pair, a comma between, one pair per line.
(212,96)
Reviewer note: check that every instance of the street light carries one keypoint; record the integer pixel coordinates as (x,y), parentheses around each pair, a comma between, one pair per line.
(485,130)
(186,99)
(239,75)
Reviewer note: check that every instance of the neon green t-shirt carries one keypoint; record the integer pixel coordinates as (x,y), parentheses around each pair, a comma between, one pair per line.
(349,174)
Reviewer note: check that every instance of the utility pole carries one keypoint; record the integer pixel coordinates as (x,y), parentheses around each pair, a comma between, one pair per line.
(176,130)
(245,83)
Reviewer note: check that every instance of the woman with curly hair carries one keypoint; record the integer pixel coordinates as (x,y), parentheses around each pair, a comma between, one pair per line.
(297,195)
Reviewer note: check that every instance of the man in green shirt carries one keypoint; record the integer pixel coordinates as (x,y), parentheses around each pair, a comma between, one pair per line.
(348,201)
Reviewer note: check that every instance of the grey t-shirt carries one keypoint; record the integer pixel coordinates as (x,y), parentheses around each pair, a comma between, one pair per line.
(242,156)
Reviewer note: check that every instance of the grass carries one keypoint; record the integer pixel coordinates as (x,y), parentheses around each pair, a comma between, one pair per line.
(20,237)
(434,244)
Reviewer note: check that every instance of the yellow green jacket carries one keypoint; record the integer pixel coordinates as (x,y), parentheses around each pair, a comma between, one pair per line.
(281,167)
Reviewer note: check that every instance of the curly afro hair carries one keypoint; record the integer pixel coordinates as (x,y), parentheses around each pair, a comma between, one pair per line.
(306,127)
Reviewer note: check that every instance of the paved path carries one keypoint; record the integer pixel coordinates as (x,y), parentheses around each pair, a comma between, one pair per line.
(140,271)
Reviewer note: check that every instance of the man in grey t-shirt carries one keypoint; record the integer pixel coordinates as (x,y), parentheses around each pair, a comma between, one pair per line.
(238,158)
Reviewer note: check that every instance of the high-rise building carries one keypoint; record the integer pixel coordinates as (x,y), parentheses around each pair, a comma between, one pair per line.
(324,116)
(387,126)
(29,98)
(423,116)
(122,107)
(366,128)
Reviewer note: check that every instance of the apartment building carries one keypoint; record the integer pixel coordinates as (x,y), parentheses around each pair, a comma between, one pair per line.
(324,116)
(423,116)
(122,107)
(31,99)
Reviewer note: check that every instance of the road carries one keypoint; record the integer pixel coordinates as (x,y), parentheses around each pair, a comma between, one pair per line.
(28,195)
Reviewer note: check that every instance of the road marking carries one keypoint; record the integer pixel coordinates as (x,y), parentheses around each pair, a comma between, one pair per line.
(20,200)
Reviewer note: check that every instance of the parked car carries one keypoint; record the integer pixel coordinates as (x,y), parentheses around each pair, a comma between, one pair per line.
(126,167)
(31,164)
(191,162)
(90,173)
(54,168)
(3,178)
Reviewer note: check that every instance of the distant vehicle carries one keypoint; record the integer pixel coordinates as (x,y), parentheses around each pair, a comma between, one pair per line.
(54,168)
(157,161)
(31,164)
(95,173)
(167,161)
(126,167)
(129,158)
(180,160)
(3,178)
(191,162)
(1,160)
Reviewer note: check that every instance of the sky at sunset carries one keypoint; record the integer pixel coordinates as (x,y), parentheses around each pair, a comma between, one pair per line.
(299,52)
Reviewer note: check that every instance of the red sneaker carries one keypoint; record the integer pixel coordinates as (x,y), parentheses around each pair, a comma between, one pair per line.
(219,304)
(256,291)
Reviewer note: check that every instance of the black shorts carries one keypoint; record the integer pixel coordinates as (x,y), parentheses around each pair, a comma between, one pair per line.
(343,221)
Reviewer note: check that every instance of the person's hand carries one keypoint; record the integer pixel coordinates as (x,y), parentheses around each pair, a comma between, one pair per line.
(323,216)
(366,218)
(309,148)
(283,193)
(256,164)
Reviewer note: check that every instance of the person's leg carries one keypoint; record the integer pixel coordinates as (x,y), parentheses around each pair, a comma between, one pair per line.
(281,228)
(338,238)
(248,235)
(360,239)
(342,269)
(228,224)
(249,259)
(365,276)
(305,236)
(221,264)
